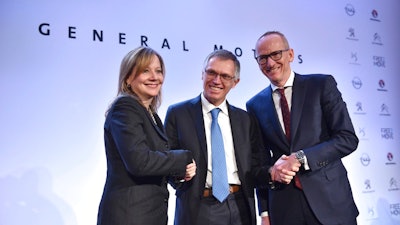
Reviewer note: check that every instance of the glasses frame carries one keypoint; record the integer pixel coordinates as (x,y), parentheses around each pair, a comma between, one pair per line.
(276,55)
(213,74)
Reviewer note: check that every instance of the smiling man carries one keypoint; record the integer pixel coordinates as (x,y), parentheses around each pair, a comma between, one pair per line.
(222,192)
(305,125)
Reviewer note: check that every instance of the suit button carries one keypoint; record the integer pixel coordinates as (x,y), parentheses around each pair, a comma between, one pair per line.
(165,200)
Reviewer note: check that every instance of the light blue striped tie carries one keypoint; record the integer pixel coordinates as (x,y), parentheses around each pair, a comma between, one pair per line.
(220,186)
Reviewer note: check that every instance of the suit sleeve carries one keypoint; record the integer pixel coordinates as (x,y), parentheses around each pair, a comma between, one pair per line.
(260,166)
(338,139)
(131,135)
(171,129)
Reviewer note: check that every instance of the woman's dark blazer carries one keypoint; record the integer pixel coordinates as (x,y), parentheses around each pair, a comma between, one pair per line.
(138,164)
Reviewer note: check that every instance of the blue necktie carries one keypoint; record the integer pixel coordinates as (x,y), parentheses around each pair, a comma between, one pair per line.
(220,186)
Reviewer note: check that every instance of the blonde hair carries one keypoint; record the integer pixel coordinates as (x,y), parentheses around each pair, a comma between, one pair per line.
(135,62)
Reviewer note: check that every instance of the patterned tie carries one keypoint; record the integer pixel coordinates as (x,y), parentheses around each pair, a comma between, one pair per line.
(286,121)
(220,186)
(285,112)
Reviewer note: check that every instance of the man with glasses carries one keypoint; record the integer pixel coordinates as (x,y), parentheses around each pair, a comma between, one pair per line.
(194,125)
(307,129)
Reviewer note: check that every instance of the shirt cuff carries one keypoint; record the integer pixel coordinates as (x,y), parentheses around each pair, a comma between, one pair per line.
(306,166)
(265,213)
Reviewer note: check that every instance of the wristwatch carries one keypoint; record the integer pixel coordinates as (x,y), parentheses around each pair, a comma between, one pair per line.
(300,156)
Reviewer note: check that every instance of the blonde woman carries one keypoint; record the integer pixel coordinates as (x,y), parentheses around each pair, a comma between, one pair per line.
(139,161)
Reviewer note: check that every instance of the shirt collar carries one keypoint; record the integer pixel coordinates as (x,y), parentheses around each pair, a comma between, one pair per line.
(207,106)
(289,82)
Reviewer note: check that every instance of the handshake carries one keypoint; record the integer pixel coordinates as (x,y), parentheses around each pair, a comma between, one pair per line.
(190,170)
(189,173)
(286,167)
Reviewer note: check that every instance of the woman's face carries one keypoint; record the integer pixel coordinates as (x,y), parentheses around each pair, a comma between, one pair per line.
(147,84)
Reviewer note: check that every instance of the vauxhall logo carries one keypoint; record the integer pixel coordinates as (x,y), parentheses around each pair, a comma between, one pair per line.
(374,16)
(381,83)
(381,86)
(389,156)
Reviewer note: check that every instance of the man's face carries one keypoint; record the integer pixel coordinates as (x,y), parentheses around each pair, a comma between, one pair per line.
(276,67)
(217,80)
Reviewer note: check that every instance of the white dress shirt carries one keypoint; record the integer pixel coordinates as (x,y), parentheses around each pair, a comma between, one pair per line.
(225,125)
(288,94)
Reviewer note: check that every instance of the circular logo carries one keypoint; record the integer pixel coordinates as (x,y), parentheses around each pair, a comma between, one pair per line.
(350,10)
(356,83)
(365,160)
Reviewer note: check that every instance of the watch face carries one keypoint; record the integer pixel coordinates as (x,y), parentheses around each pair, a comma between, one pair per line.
(300,156)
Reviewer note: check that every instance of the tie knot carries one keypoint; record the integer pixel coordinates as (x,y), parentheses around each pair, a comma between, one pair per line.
(215,112)
(281,91)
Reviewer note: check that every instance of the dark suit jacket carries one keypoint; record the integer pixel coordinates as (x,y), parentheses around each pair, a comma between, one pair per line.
(322,128)
(138,162)
(185,129)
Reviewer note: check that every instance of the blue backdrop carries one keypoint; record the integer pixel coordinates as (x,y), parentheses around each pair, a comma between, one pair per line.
(59,71)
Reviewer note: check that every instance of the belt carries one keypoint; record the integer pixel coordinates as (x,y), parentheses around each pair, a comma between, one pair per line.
(233,188)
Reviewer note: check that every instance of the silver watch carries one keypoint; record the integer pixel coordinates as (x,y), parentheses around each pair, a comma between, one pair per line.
(300,156)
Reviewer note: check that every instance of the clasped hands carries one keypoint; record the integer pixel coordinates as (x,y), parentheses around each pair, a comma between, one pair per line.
(285,168)
(190,170)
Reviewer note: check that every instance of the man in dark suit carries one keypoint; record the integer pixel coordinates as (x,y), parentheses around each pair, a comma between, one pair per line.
(307,137)
(188,127)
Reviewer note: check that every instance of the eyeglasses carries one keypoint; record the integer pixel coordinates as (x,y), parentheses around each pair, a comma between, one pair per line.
(277,55)
(212,74)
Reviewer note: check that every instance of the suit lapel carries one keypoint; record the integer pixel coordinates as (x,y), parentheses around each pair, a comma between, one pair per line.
(298,98)
(237,136)
(235,122)
(158,125)
(272,115)
(196,112)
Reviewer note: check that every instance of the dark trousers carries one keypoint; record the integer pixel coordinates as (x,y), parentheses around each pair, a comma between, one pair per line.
(232,211)
(297,211)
